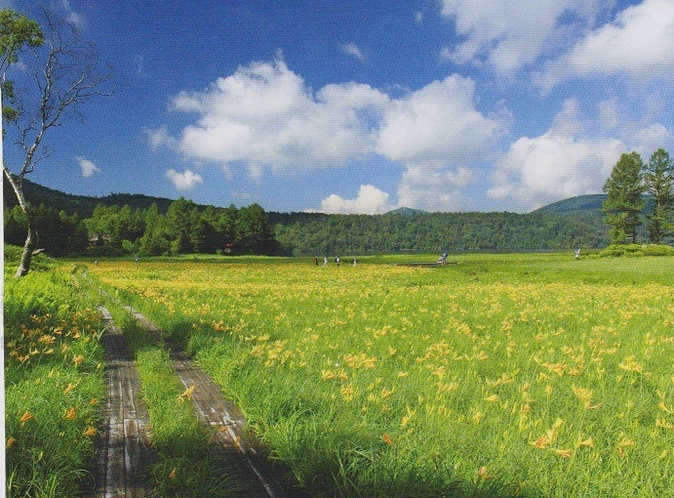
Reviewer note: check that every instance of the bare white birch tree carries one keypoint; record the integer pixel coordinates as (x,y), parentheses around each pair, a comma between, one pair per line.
(60,73)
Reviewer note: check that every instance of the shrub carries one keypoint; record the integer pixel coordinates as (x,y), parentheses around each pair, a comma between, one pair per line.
(636,250)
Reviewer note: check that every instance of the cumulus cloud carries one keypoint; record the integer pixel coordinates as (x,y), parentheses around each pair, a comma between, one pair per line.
(263,118)
(561,163)
(88,167)
(370,200)
(510,35)
(264,114)
(433,190)
(649,139)
(438,135)
(353,50)
(436,126)
(638,43)
(184,181)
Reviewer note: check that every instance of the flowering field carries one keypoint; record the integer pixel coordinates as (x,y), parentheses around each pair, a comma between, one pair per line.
(53,384)
(498,376)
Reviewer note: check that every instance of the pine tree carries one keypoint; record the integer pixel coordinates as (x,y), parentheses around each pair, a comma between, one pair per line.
(659,180)
(624,203)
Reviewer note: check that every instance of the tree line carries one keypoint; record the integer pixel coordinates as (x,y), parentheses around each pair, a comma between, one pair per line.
(184,228)
(630,179)
(304,234)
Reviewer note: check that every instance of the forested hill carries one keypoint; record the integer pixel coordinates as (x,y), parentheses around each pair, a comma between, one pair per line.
(575,222)
(81,204)
(305,234)
(581,204)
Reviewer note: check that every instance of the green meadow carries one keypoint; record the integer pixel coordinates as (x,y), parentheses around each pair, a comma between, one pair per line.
(54,391)
(499,375)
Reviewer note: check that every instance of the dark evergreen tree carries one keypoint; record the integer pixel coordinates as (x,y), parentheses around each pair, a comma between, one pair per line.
(254,235)
(659,180)
(624,203)
(179,217)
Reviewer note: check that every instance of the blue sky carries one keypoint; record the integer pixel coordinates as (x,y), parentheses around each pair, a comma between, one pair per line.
(363,106)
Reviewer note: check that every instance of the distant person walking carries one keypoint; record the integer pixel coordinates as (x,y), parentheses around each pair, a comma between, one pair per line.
(337,260)
(354,261)
(325,261)
(315,260)
(577,253)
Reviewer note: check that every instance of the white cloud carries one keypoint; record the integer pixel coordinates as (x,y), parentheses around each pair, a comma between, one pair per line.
(563,162)
(264,114)
(435,190)
(242,196)
(568,122)
(184,181)
(370,200)
(437,126)
(161,138)
(647,140)
(227,171)
(548,168)
(255,171)
(263,118)
(638,44)
(88,167)
(353,50)
(75,19)
(608,114)
(511,35)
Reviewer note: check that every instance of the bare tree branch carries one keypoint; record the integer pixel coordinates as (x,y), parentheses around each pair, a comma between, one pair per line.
(63,73)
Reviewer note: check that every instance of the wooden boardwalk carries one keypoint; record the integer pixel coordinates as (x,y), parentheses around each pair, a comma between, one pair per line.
(123,443)
(124,451)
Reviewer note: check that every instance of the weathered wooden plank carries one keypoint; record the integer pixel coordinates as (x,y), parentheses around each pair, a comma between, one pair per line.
(123,448)
(227,424)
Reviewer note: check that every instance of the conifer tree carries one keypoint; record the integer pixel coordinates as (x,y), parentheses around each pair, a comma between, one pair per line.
(659,181)
(624,203)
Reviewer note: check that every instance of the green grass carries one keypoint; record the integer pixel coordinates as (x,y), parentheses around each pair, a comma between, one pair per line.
(53,384)
(502,375)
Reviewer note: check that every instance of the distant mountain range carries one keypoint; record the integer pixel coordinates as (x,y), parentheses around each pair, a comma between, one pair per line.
(85,205)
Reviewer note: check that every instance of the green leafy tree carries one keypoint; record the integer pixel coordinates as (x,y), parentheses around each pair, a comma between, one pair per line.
(156,239)
(659,180)
(624,203)
(253,231)
(180,216)
(62,73)
(15,226)
(16,33)
(206,238)
(225,225)
(117,227)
